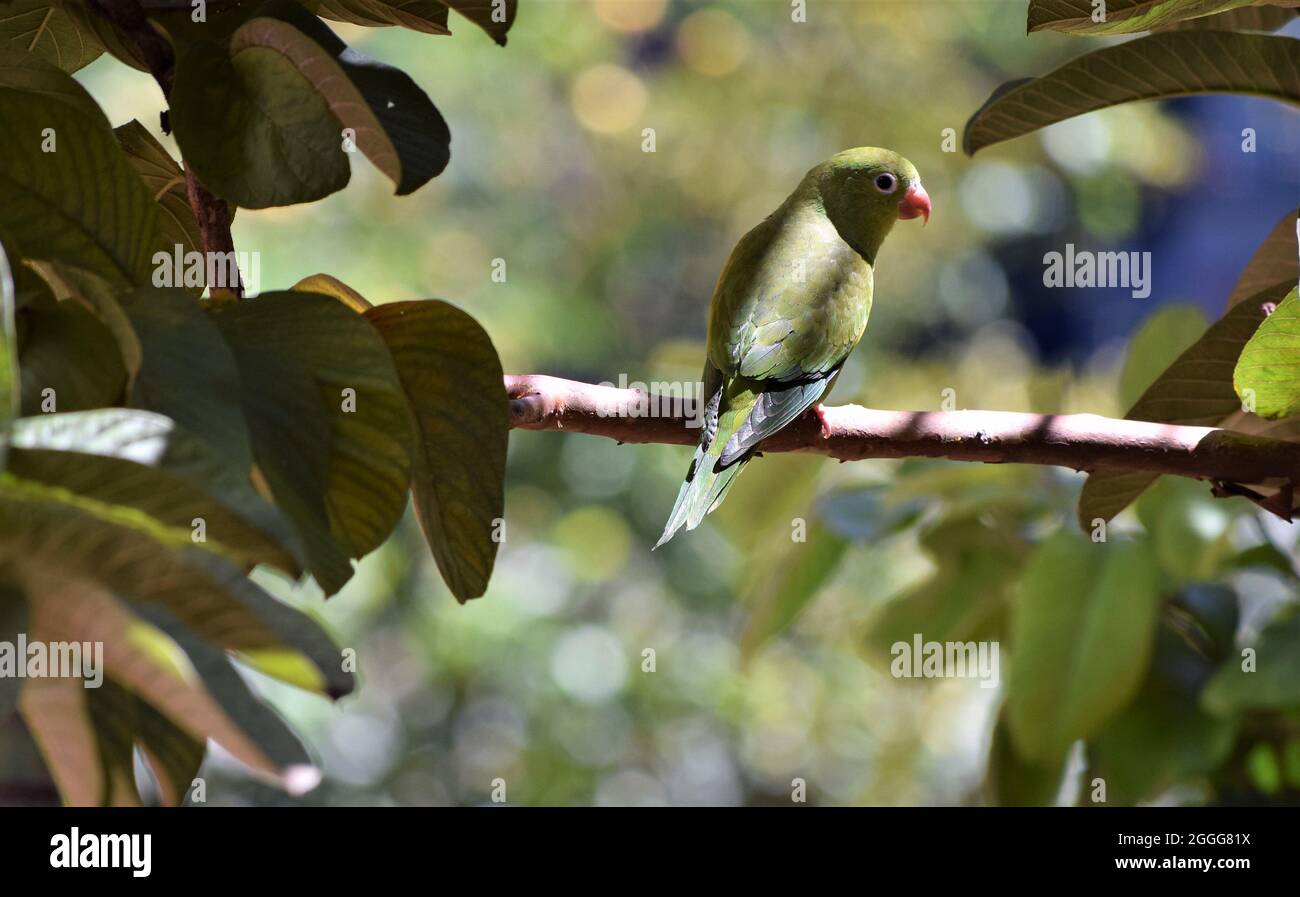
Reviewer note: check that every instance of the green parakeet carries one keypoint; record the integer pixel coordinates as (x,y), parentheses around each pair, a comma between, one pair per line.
(789,307)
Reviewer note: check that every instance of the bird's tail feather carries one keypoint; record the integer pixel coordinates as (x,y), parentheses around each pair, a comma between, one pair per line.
(703,490)
(708,478)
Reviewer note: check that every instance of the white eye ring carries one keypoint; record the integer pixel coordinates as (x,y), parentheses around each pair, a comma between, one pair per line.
(886,182)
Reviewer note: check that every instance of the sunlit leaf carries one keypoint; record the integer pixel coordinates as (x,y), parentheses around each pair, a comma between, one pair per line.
(453,381)
(1196,390)
(1268,371)
(1120,16)
(328,419)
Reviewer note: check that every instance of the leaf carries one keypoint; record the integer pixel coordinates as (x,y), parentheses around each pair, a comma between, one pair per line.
(326,285)
(44,29)
(782,583)
(1244,18)
(166,183)
(10,378)
(1162,338)
(1147,68)
(29,73)
(149,562)
(428,16)
(978,556)
(253,128)
(1163,738)
(1195,390)
(188,372)
(1121,16)
(328,419)
(68,350)
(1017,782)
(1277,259)
(454,385)
(1081,636)
(396,124)
(264,124)
(1268,370)
(81,204)
(493,16)
(140,460)
(1274,681)
(141,658)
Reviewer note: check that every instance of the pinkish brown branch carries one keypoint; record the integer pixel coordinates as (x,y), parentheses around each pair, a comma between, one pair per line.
(853,433)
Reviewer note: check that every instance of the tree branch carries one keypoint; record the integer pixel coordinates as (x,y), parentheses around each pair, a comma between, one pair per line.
(853,433)
(210,211)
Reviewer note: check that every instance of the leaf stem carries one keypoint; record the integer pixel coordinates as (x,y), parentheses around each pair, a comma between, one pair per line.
(211,212)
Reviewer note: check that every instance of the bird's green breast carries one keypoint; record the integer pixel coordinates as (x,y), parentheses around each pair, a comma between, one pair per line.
(792,300)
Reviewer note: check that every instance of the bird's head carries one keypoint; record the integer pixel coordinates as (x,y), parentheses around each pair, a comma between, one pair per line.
(865,190)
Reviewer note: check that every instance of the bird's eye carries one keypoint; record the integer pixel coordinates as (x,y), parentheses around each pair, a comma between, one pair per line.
(886,182)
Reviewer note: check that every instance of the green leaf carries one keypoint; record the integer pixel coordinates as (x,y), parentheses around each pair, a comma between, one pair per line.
(1147,68)
(138,657)
(68,350)
(171,753)
(978,555)
(1268,371)
(51,530)
(1276,260)
(326,285)
(428,16)
(81,204)
(265,124)
(493,16)
(253,128)
(329,422)
(166,183)
(10,378)
(1164,336)
(140,460)
(1120,16)
(783,582)
(1274,681)
(1163,738)
(453,382)
(1196,390)
(44,29)
(1081,636)
(1190,529)
(1015,781)
(187,371)
(1243,18)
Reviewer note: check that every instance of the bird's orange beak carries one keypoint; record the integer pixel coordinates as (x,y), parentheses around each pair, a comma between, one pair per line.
(915,203)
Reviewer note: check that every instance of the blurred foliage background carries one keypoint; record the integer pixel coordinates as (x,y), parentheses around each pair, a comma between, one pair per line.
(771,656)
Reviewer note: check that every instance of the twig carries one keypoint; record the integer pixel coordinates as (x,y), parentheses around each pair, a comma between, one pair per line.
(210,211)
(853,433)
